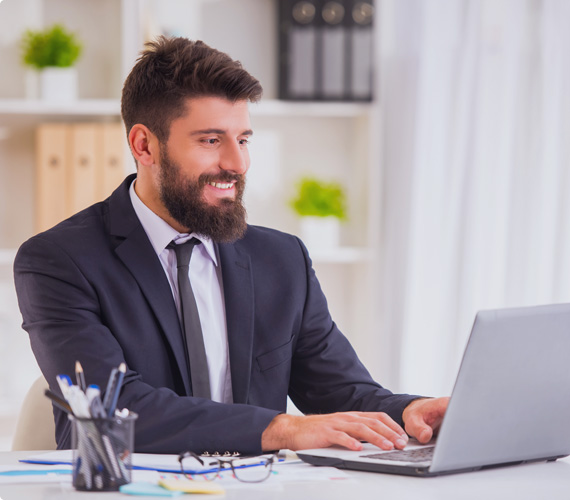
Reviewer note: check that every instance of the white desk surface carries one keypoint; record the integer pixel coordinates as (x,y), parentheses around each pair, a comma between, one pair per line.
(534,481)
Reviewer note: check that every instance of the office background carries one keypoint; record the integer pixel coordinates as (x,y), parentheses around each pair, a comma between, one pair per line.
(457,172)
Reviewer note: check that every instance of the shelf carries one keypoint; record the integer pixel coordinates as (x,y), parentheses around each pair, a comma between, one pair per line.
(341,255)
(81,107)
(279,108)
(112,107)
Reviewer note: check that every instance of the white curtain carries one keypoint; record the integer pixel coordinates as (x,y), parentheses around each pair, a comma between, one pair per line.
(475,105)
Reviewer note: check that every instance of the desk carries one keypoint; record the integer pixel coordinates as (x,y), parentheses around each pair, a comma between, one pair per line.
(535,481)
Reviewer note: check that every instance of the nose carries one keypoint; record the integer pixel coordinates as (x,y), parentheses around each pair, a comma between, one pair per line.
(234,158)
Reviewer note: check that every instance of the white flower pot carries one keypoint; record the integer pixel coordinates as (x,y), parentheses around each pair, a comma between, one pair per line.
(320,233)
(58,84)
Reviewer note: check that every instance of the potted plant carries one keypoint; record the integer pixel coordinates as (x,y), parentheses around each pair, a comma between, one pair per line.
(321,206)
(53,52)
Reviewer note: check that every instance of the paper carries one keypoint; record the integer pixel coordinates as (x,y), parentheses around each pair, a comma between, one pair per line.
(21,473)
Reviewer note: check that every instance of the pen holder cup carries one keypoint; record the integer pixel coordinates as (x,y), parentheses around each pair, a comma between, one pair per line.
(102,452)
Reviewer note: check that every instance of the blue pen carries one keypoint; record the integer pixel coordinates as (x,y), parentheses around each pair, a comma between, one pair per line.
(110,388)
(113,403)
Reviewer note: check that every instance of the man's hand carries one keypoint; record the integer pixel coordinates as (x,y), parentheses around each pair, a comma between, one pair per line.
(423,417)
(346,429)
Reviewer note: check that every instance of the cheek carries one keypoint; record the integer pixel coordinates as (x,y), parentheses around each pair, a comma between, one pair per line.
(246,159)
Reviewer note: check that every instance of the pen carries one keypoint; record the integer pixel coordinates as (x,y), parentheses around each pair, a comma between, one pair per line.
(64,383)
(93,394)
(78,402)
(117,389)
(80,376)
(57,401)
(110,388)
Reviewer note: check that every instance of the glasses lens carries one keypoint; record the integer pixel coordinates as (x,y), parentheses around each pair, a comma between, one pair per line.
(195,471)
(252,471)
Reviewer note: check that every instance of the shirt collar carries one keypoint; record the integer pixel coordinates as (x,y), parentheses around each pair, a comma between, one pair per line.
(160,233)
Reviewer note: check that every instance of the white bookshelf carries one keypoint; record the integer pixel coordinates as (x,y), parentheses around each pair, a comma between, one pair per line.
(334,141)
(81,107)
(112,107)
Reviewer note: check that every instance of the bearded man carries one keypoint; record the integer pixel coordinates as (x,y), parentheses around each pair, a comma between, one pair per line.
(106,287)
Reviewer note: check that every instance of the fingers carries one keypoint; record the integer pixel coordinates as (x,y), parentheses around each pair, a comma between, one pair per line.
(345,429)
(350,428)
(376,428)
(385,418)
(423,417)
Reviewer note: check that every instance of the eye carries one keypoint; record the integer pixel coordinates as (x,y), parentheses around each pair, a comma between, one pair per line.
(211,141)
(244,142)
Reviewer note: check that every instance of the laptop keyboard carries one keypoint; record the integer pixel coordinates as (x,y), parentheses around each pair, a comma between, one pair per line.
(416,455)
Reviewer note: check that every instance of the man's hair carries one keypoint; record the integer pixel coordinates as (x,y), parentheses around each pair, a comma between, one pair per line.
(171,70)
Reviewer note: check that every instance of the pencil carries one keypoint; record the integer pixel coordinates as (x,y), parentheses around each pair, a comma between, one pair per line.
(80,376)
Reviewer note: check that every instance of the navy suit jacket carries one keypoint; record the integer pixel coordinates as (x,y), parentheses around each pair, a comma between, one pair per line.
(92,289)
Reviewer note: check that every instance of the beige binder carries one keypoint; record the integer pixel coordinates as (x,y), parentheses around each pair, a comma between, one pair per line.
(112,168)
(84,164)
(78,164)
(51,175)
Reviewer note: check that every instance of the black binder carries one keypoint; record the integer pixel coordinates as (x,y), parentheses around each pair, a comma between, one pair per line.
(361,50)
(298,35)
(326,50)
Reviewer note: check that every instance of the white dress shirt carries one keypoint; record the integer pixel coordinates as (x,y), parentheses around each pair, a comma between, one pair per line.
(207,288)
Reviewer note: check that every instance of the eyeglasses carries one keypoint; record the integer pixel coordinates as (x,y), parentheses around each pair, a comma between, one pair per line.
(247,470)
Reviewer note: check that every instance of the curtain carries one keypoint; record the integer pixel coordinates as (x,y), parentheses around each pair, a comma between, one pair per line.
(475,110)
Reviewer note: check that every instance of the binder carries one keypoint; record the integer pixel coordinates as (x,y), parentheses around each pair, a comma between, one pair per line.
(298,39)
(51,175)
(326,49)
(112,168)
(334,39)
(84,158)
(361,50)
(77,164)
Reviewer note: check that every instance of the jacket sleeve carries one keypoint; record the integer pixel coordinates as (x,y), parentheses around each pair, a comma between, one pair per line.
(326,374)
(62,315)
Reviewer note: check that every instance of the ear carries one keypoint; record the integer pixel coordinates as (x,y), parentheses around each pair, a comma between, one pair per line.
(144,145)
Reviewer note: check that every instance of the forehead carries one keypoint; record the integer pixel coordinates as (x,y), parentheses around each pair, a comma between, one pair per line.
(213,112)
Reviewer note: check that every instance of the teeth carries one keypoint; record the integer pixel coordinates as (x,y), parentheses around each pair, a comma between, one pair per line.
(221,185)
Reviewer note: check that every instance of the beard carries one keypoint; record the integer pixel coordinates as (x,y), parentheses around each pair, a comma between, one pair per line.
(224,222)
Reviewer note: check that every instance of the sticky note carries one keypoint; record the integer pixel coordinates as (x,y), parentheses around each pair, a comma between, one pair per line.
(148,489)
(188,486)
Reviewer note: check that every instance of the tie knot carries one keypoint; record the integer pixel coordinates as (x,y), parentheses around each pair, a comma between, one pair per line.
(184,251)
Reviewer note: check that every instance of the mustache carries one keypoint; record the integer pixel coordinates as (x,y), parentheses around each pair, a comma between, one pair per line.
(221,177)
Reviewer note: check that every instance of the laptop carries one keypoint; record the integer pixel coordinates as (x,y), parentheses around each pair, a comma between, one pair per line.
(510,403)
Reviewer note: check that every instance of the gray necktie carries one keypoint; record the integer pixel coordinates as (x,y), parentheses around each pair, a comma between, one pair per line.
(196,353)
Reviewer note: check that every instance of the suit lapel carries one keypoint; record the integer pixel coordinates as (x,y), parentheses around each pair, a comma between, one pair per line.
(238,296)
(137,254)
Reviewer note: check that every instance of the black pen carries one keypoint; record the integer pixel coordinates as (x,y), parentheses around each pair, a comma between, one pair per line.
(80,376)
(57,401)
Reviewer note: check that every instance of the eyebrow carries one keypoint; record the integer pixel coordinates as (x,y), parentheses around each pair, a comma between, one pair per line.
(218,131)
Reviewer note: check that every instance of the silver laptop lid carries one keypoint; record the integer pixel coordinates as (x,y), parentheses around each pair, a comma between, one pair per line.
(511,400)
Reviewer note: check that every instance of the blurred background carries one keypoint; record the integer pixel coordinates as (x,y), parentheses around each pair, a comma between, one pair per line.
(442,128)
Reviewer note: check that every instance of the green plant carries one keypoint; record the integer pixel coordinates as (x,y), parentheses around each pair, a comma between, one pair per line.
(318,198)
(55,46)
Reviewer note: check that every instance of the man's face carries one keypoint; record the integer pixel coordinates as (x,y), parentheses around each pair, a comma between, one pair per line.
(202,168)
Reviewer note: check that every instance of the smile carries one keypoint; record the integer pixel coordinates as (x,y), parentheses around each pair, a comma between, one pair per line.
(222,185)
